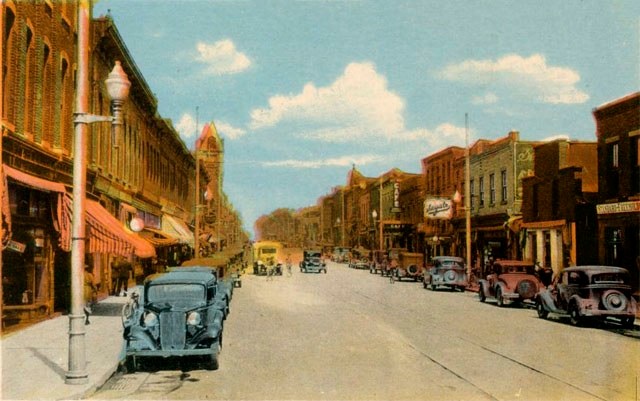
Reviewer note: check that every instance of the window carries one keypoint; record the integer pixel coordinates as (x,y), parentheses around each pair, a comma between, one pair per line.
(492,189)
(29,85)
(613,155)
(471,191)
(635,164)
(481,191)
(504,185)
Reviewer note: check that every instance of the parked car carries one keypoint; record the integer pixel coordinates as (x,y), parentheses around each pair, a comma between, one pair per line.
(510,281)
(378,263)
(340,254)
(359,263)
(590,292)
(177,315)
(409,265)
(447,271)
(312,262)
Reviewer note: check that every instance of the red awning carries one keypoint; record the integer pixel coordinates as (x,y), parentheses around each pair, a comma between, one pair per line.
(106,234)
(158,237)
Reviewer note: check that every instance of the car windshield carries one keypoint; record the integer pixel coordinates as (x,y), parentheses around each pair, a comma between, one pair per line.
(175,292)
(268,250)
(608,278)
(313,255)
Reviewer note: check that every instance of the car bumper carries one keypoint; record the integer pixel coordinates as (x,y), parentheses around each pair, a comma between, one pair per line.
(170,353)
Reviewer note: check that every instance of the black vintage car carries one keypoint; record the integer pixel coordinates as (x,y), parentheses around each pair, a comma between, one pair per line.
(590,292)
(312,262)
(179,314)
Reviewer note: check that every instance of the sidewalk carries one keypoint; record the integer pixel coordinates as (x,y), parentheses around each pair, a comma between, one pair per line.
(35,359)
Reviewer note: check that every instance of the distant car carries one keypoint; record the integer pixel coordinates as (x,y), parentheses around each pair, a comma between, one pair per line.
(359,263)
(590,292)
(340,254)
(178,314)
(510,281)
(446,271)
(312,262)
(409,265)
(379,261)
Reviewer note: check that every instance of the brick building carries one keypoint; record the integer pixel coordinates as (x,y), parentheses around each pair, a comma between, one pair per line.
(618,208)
(558,215)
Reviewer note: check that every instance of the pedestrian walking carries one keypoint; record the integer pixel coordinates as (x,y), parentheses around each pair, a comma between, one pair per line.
(288,262)
(124,273)
(90,293)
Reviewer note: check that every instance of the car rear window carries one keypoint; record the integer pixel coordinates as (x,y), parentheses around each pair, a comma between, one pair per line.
(608,278)
(175,292)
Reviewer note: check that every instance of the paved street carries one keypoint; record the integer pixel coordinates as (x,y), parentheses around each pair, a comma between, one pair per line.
(352,335)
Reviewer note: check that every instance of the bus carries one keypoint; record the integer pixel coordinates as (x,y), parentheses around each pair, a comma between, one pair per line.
(267,258)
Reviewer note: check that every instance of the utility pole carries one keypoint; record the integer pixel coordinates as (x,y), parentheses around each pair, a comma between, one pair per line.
(467,193)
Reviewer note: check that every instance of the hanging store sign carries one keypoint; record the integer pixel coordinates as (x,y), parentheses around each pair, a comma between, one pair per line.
(438,208)
(16,246)
(620,207)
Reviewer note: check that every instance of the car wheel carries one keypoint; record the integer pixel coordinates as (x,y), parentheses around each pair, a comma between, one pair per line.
(499,297)
(481,295)
(433,287)
(574,314)
(212,359)
(130,364)
(424,285)
(542,312)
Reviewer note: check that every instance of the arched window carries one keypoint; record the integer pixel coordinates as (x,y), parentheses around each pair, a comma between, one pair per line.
(61,134)
(8,74)
(47,99)
(29,84)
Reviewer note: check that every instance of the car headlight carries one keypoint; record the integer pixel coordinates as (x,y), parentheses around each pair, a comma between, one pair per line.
(193,319)
(150,319)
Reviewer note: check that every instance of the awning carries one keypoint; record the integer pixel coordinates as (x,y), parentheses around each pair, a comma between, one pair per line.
(177,228)
(158,237)
(32,181)
(39,184)
(106,234)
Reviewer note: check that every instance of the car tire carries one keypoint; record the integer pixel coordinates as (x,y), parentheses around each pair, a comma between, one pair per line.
(574,314)
(130,364)
(499,297)
(433,287)
(542,312)
(212,359)
(481,295)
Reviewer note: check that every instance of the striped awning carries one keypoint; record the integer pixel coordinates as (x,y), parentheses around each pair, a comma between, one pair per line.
(105,233)
(177,228)
(158,237)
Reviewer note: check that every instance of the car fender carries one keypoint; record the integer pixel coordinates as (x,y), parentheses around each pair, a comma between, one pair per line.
(138,333)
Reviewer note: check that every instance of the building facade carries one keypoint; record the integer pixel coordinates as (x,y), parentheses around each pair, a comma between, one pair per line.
(558,226)
(618,208)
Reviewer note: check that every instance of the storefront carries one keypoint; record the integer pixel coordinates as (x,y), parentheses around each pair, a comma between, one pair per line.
(36,259)
(33,211)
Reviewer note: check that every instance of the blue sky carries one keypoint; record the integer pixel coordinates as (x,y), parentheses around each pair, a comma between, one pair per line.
(301,90)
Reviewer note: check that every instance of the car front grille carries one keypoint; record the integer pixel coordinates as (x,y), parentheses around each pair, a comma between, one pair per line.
(172,330)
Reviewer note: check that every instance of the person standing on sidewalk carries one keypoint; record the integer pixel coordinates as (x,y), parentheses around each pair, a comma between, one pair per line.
(124,271)
(90,293)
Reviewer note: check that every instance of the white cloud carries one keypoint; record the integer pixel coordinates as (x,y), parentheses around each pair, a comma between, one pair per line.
(229,130)
(528,76)
(487,98)
(344,161)
(222,57)
(187,126)
(358,103)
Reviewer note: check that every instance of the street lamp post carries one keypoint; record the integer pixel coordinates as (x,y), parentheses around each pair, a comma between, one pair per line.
(118,88)
(374,215)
